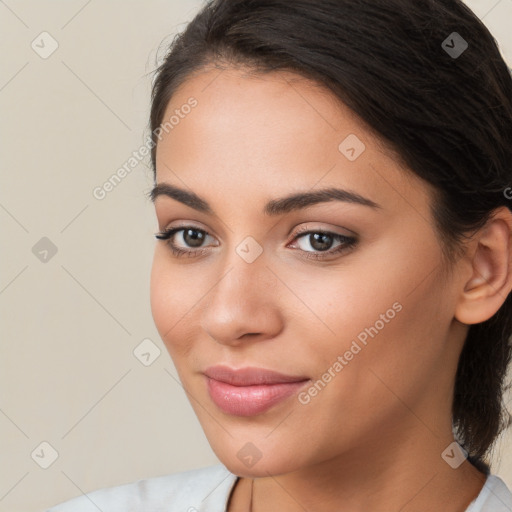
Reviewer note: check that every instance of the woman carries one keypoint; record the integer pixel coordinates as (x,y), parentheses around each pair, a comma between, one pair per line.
(332,274)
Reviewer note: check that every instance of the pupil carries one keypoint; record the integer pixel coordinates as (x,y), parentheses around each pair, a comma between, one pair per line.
(195,240)
(321,237)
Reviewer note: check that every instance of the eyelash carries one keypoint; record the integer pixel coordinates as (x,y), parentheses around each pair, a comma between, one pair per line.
(347,242)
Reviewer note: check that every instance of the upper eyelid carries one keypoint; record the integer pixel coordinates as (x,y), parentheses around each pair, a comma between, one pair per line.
(331,231)
(348,232)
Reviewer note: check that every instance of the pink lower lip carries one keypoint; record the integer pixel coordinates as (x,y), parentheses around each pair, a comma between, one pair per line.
(250,400)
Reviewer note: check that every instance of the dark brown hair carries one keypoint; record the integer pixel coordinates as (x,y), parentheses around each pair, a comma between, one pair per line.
(447,116)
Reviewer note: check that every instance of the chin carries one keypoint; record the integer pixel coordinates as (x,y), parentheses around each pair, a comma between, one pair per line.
(274,467)
(259,458)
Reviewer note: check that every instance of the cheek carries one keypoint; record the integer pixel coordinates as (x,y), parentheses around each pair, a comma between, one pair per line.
(170,300)
(392,287)
(387,313)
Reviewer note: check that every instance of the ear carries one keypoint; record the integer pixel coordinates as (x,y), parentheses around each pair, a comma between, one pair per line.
(490,279)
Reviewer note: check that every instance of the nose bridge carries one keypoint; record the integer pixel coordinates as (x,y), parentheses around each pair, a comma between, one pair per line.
(241,301)
(244,272)
(245,254)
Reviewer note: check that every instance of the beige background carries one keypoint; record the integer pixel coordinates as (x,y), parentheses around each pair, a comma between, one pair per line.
(70,325)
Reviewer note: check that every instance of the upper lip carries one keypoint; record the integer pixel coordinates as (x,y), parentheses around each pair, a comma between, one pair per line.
(250,376)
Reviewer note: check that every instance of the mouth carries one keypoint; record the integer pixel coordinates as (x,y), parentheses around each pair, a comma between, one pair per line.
(250,391)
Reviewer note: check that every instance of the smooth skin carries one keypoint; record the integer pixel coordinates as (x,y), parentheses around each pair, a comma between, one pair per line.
(372,438)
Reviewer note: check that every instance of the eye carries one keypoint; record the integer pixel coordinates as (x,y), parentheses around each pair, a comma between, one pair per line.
(322,241)
(319,240)
(191,236)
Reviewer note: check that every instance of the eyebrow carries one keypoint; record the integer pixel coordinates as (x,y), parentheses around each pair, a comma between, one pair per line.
(280,206)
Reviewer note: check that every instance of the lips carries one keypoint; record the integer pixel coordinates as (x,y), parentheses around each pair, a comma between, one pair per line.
(250,391)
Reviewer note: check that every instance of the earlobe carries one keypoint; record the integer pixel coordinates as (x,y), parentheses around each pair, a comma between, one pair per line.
(490,281)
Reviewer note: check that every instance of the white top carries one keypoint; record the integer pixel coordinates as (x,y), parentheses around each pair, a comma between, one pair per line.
(208,490)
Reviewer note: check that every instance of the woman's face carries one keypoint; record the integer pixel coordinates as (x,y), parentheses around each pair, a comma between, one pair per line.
(365,332)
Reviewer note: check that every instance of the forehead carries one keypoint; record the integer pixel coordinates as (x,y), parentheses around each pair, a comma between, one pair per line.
(240,103)
(249,132)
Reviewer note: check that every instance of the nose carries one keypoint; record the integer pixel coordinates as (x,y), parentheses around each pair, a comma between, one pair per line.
(243,305)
